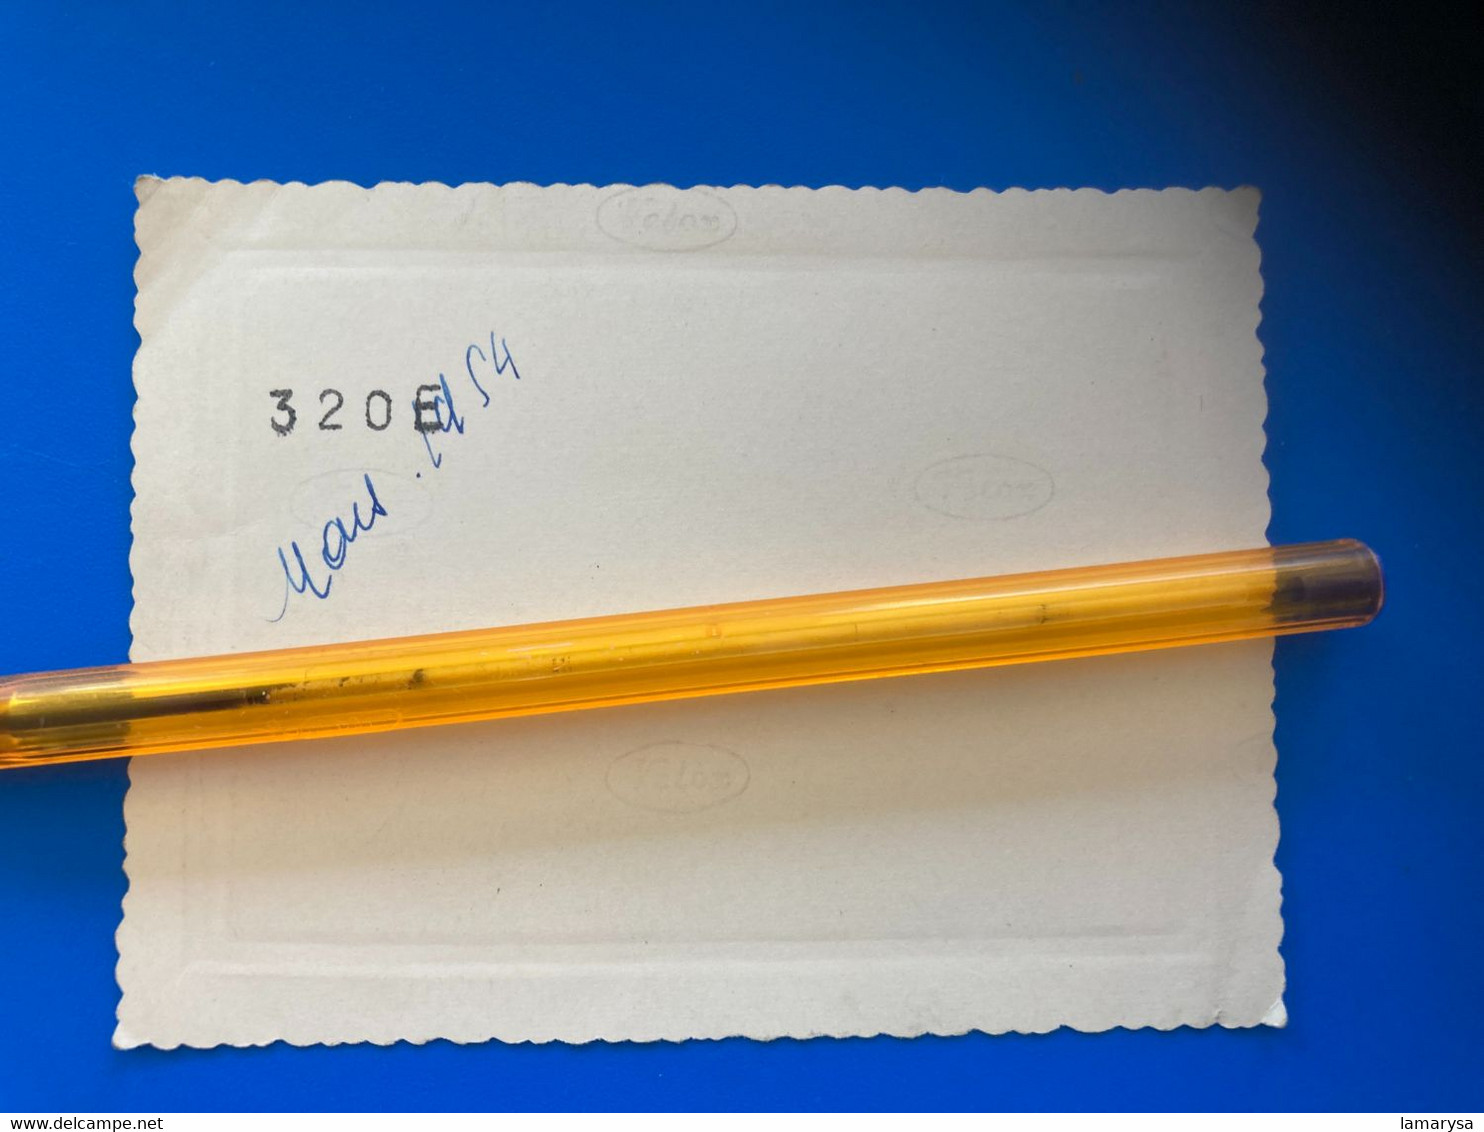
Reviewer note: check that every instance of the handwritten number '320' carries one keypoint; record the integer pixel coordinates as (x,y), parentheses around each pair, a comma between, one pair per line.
(285,416)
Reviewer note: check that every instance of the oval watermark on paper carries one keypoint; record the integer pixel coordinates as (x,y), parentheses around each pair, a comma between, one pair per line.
(399,494)
(677,778)
(666,219)
(984,486)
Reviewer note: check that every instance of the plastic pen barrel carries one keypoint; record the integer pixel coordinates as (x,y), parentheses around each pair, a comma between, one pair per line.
(345,689)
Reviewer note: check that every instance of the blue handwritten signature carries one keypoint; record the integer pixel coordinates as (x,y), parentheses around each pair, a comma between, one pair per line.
(336,539)
(428,415)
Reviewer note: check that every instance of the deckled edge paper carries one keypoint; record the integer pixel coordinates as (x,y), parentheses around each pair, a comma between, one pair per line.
(134,910)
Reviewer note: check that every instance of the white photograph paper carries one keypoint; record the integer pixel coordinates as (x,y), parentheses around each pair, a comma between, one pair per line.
(645,398)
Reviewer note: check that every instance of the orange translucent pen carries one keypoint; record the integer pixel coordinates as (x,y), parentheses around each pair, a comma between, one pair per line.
(347,689)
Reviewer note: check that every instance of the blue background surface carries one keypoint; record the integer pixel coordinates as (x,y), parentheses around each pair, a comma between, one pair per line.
(1363,134)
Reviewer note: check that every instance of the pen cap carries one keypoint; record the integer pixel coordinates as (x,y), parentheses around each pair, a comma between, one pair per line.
(1326,583)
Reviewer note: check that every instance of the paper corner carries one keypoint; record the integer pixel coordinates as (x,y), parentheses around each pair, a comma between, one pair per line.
(1276,1016)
